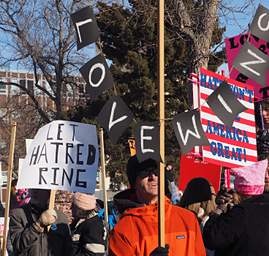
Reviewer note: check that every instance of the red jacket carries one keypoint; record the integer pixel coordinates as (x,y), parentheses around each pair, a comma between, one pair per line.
(136,233)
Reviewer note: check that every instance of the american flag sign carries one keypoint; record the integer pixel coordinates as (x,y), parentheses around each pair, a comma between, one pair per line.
(229,146)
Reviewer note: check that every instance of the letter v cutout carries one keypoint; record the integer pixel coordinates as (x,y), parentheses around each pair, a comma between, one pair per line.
(111,122)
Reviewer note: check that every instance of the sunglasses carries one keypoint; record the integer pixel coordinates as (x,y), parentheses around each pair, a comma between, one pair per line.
(147,173)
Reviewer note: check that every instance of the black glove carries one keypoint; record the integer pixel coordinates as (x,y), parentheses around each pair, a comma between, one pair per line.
(224,199)
(160,251)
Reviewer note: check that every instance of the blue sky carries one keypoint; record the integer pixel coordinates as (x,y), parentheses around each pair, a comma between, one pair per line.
(237,23)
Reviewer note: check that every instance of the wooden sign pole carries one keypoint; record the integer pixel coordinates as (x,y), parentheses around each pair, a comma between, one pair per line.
(161,217)
(103,174)
(9,180)
(52,199)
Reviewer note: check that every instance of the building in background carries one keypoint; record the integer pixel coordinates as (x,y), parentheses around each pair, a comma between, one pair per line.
(16,105)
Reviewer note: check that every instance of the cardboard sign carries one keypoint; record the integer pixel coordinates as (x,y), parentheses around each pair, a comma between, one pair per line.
(86,27)
(229,146)
(189,131)
(253,63)
(28,144)
(147,139)
(115,117)
(63,156)
(97,75)
(260,24)
(225,104)
(191,168)
(233,46)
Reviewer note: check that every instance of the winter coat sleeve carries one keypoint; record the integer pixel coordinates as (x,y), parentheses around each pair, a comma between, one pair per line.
(221,231)
(89,238)
(22,237)
(119,245)
(67,240)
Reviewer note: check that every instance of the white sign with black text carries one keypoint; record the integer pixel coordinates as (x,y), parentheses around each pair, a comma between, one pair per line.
(63,156)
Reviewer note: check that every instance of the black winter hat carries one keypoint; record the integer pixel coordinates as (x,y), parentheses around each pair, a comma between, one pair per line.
(197,190)
(134,168)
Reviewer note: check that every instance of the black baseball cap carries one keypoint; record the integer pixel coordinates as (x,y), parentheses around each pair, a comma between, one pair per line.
(141,169)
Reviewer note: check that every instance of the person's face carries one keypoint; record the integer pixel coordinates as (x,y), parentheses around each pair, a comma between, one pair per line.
(213,193)
(40,198)
(265,115)
(147,187)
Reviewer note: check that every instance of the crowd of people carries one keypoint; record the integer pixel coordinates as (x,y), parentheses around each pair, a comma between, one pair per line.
(198,222)
(201,223)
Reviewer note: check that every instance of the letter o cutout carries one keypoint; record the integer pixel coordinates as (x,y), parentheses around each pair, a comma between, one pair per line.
(95,66)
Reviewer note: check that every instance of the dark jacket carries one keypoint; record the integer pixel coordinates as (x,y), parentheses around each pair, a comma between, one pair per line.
(242,231)
(27,241)
(88,237)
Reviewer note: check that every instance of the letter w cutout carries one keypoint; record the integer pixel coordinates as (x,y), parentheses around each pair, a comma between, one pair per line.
(189,130)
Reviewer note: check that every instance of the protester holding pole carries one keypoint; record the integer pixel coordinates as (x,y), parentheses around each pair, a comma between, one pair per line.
(88,230)
(29,228)
(243,229)
(136,233)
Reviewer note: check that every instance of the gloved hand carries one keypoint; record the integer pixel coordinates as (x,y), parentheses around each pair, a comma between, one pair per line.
(263,143)
(225,199)
(160,251)
(47,218)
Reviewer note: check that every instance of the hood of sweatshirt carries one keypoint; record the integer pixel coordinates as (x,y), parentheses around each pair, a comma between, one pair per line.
(125,200)
(127,204)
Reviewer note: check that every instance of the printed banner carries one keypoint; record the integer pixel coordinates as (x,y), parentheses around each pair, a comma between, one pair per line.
(233,46)
(229,146)
(63,156)
(191,168)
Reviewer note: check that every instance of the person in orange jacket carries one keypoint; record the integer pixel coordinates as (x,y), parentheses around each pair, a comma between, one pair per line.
(136,233)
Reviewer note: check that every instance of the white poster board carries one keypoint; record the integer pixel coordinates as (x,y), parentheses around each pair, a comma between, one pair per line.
(2,223)
(64,155)
(28,144)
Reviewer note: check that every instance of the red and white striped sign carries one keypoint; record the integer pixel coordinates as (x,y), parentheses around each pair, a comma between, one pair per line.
(229,146)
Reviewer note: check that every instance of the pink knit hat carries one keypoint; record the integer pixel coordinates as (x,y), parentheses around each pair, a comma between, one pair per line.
(22,196)
(84,201)
(249,180)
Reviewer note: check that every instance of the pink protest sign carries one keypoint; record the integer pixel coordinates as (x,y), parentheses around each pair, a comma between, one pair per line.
(233,46)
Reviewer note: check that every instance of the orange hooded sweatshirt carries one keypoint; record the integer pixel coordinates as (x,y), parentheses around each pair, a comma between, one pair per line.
(136,233)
